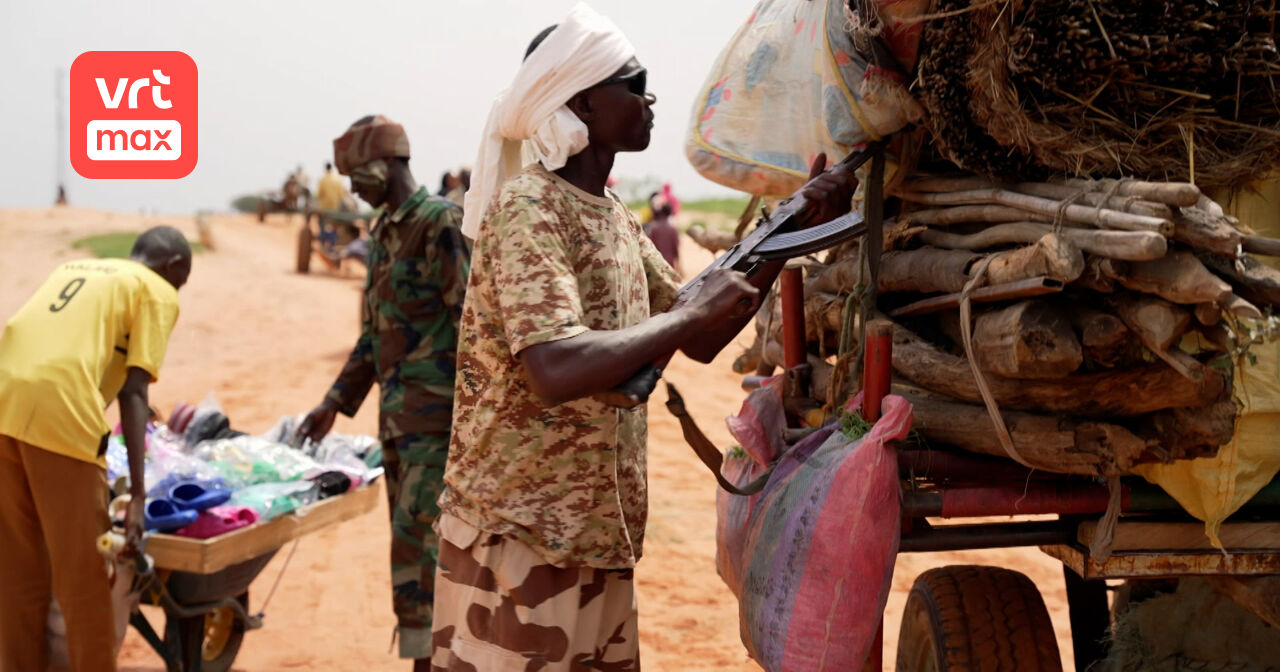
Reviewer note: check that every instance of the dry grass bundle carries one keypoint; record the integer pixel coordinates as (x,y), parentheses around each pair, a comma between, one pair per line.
(1171,90)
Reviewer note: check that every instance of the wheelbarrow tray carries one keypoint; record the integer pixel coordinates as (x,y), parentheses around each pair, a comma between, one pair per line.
(208,556)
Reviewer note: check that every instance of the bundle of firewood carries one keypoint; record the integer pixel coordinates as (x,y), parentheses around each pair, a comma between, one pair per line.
(1106,317)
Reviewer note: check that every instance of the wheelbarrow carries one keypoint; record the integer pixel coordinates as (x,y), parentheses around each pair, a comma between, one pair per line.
(203,584)
(206,615)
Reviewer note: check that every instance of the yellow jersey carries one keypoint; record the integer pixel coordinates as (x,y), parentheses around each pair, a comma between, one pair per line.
(65,354)
(330,191)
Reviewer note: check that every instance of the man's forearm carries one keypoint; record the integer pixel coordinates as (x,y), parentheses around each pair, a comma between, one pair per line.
(597,361)
(134,412)
(713,339)
(356,378)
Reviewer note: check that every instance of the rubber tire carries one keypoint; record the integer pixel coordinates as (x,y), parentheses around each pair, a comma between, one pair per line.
(304,246)
(970,618)
(193,634)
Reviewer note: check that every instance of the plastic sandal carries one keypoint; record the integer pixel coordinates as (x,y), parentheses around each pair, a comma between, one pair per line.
(218,521)
(332,483)
(195,496)
(181,417)
(164,516)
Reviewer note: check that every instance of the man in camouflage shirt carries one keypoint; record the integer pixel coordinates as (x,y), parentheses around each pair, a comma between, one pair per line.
(417,275)
(544,512)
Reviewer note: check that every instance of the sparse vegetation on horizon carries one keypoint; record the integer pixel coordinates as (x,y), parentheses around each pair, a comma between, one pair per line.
(116,245)
(246,204)
(732,205)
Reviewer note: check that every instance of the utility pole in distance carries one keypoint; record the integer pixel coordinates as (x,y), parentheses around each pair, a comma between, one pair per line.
(61,131)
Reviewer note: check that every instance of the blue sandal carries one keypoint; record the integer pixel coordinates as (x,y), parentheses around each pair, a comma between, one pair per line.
(164,516)
(196,497)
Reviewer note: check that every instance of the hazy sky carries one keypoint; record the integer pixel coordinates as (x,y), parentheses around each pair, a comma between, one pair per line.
(279,79)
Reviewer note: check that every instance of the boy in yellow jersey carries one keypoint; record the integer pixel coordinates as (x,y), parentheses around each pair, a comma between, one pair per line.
(96,329)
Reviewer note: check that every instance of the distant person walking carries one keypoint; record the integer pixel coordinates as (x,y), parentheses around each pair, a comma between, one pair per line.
(461,183)
(330,191)
(95,331)
(670,198)
(448,182)
(294,193)
(663,233)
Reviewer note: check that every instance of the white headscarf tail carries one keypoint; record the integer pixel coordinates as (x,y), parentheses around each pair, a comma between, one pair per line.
(584,49)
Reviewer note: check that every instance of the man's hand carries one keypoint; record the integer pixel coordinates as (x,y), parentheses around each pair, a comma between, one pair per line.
(134,520)
(829,192)
(724,295)
(317,423)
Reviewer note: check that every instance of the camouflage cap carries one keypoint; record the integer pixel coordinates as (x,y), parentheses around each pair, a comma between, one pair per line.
(376,138)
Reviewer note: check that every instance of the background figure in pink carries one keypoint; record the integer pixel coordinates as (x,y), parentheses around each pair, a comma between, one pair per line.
(671,199)
(664,235)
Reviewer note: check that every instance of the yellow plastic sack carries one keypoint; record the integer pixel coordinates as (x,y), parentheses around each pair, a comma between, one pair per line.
(1257,205)
(1213,488)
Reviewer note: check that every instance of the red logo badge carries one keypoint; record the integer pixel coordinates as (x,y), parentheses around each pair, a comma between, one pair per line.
(133,115)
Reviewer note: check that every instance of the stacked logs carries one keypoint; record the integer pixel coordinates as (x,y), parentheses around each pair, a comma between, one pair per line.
(1102,317)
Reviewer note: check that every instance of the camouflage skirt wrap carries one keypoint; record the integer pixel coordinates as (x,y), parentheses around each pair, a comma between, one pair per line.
(501,608)
(415,476)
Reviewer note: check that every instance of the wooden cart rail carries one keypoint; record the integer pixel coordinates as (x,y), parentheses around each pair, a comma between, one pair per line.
(1166,564)
(206,556)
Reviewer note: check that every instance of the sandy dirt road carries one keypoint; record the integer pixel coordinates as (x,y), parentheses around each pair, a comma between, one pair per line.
(268,342)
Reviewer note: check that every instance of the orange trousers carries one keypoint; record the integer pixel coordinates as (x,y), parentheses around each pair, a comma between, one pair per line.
(52,509)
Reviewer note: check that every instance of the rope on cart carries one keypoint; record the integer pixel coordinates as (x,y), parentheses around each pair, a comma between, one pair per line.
(978,274)
(276,584)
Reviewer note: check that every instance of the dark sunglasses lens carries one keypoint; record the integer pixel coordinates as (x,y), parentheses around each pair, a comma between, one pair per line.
(638,83)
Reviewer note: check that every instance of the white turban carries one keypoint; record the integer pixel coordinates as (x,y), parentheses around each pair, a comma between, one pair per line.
(583,50)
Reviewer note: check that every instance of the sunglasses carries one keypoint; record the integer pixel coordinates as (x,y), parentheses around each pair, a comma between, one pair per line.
(637,82)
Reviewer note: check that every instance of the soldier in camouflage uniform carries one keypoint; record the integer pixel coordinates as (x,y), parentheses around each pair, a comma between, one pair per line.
(417,273)
(544,511)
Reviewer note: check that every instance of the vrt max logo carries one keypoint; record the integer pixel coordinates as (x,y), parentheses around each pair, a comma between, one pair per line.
(133,114)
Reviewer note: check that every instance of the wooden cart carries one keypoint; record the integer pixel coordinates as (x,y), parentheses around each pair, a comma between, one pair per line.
(977,617)
(203,584)
(311,238)
(952,610)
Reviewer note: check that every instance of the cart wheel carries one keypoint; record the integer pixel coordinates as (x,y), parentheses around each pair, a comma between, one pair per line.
(304,245)
(964,618)
(212,640)
(223,633)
